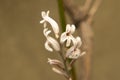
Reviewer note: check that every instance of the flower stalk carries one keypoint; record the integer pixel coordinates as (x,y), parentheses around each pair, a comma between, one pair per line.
(65,44)
(63,23)
(61,14)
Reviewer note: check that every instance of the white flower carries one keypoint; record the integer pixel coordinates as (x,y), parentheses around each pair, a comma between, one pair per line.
(54,62)
(50,41)
(58,71)
(46,18)
(74,52)
(67,35)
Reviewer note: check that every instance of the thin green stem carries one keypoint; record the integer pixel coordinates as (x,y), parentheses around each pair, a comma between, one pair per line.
(64,62)
(63,25)
(73,69)
(73,73)
(61,14)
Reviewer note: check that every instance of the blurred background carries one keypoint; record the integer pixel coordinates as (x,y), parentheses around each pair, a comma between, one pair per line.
(22,52)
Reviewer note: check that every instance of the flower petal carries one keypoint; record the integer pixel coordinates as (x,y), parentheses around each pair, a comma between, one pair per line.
(51,21)
(68,28)
(75,54)
(72,29)
(50,41)
(79,42)
(46,32)
(45,24)
(63,37)
(48,13)
(42,21)
(54,26)
(54,62)
(44,14)
(47,47)
(69,51)
(59,71)
(54,43)
(68,42)
(72,38)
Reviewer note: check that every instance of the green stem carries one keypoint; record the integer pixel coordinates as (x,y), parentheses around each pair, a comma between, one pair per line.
(63,24)
(64,62)
(73,73)
(61,14)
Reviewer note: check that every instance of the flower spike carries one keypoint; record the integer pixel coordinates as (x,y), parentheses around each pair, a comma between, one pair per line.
(70,50)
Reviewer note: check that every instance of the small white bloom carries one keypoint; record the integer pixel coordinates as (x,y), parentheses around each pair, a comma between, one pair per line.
(46,18)
(54,61)
(50,41)
(74,52)
(58,71)
(67,35)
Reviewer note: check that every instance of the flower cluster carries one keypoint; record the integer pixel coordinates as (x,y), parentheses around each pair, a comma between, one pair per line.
(56,43)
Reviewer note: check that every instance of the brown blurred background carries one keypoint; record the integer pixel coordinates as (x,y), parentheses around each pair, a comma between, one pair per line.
(22,52)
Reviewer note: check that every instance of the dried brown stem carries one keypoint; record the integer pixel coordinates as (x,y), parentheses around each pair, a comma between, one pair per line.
(87,37)
(73,10)
(93,10)
(86,6)
(82,17)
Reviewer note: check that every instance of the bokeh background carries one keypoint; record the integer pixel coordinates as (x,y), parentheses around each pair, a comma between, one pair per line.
(22,52)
